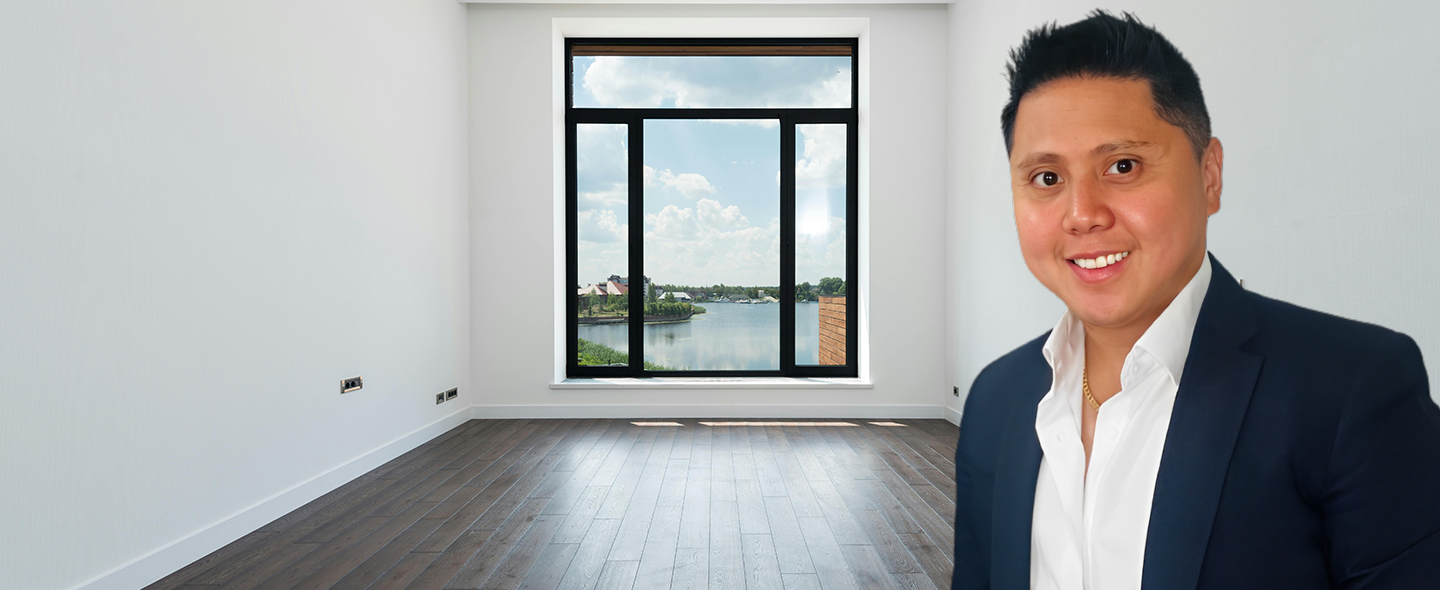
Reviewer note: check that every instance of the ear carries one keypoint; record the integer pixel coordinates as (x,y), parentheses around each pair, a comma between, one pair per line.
(1212,165)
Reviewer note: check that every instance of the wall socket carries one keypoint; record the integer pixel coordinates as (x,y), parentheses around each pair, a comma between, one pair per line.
(956,390)
(447,395)
(351,384)
(439,398)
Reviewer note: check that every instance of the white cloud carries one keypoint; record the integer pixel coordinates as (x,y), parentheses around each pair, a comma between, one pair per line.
(673,223)
(823,164)
(712,214)
(689,184)
(708,244)
(617,194)
(601,226)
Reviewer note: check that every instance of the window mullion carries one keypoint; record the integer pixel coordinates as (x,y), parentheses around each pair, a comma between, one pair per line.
(635,148)
(787,245)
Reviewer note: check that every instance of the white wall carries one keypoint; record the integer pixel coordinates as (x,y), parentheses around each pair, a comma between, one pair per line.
(513,220)
(1326,111)
(210,213)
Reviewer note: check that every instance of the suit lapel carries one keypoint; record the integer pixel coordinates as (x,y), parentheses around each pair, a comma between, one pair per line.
(1209,410)
(1019,466)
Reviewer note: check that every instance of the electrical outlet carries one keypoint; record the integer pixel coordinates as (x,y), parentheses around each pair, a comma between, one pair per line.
(351,384)
(956,391)
(449,395)
(439,398)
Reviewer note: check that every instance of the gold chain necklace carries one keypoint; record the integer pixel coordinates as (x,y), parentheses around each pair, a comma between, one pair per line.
(1085,386)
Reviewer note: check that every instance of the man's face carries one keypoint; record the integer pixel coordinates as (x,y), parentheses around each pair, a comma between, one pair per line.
(1096,173)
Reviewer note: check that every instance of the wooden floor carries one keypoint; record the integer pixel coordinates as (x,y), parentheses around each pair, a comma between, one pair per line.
(542,504)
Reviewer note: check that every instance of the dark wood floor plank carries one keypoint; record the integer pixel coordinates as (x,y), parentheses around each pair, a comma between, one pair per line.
(579,504)
(455,525)
(866,566)
(939,501)
(640,511)
(333,570)
(293,573)
(589,560)
(373,567)
(258,573)
(237,548)
(577,521)
(940,529)
(446,564)
(913,582)
(515,496)
(623,486)
(550,566)
(403,572)
(830,564)
(516,566)
(837,514)
(497,547)
(892,552)
(934,560)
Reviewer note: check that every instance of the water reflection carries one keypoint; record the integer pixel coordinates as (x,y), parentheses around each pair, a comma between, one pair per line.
(729,337)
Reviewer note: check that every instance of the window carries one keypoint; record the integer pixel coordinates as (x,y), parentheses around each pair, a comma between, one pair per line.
(734,161)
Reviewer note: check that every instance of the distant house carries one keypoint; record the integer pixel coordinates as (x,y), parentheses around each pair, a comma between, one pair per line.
(592,290)
(616,288)
(679,296)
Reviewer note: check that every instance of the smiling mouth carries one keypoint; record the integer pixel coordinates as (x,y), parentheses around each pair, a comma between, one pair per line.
(1099,261)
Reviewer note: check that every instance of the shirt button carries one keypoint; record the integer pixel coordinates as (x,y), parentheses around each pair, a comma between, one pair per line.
(1112,432)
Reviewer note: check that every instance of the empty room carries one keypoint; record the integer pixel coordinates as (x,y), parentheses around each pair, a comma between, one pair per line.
(439,294)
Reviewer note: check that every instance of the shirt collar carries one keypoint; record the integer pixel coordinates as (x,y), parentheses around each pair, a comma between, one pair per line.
(1167,340)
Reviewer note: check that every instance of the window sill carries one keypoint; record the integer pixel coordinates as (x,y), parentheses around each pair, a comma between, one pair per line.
(714,383)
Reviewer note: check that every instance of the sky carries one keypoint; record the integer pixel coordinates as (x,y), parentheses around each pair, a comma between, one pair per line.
(711,189)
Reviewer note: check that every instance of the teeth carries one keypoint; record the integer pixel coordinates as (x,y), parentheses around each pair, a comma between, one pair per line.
(1100,261)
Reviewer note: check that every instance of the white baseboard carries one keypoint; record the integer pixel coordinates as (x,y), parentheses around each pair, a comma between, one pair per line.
(146,569)
(953,415)
(707,411)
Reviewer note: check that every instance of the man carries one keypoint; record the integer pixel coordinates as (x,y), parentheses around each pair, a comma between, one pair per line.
(1175,431)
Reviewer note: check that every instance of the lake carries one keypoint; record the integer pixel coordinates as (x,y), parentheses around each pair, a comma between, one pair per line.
(727,337)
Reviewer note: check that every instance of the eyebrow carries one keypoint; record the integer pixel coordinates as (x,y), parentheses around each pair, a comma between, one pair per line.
(1051,158)
(1116,146)
(1033,159)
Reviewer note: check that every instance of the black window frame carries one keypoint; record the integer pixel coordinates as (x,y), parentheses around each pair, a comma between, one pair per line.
(634,119)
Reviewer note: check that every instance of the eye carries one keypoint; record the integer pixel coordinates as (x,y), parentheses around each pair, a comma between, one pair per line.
(1045,179)
(1125,166)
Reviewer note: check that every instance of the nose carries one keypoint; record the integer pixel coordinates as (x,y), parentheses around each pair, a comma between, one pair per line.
(1088,211)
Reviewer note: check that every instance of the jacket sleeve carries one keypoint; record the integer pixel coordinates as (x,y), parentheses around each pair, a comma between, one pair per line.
(1381,502)
(974,488)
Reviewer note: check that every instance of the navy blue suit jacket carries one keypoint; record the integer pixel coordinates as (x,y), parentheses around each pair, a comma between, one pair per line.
(1303,452)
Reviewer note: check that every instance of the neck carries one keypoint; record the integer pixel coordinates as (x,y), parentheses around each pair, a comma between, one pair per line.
(1107,346)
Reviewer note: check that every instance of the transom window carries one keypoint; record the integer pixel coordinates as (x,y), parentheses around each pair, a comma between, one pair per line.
(712,197)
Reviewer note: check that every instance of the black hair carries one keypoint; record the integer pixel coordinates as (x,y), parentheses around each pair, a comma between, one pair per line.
(1103,46)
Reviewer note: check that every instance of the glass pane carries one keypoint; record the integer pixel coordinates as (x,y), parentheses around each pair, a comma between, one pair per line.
(603,256)
(692,82)
(820,295)
(712,229)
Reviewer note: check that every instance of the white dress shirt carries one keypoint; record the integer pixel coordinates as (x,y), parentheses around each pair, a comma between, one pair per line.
(1089,530)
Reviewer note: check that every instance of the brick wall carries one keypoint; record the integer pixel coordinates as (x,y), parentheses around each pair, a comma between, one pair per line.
(832,330)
